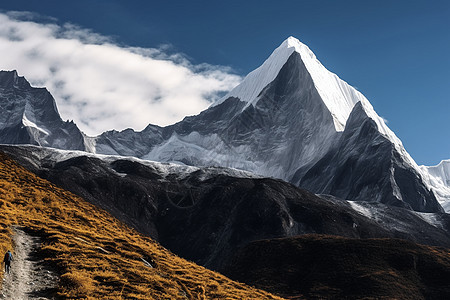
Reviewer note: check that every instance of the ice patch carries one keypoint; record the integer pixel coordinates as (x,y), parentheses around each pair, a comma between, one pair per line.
(431,219)
(361,209)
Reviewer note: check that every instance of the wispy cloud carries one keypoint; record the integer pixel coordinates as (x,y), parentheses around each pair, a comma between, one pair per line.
(102,85)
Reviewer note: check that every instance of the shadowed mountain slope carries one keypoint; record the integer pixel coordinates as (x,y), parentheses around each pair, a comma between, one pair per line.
(205,214)
(326,267)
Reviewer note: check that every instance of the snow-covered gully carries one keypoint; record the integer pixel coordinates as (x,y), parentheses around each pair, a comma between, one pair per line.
(29,277)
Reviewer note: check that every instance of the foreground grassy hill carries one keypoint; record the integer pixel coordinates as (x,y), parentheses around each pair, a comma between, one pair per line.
(97,256)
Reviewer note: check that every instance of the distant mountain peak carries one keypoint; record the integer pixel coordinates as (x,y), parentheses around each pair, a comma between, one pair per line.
(30,116)
(252,85)
(292,42)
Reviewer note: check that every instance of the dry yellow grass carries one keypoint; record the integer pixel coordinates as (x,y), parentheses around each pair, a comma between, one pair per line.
(97,256)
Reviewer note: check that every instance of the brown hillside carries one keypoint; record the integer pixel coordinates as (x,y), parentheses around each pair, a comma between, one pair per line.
(97,256)
(330,267)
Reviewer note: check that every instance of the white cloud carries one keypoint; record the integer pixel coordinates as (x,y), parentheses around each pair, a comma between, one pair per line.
(103,86)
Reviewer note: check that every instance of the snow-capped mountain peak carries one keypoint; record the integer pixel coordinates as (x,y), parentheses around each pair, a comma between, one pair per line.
(252,85)
(338,96)
(30,116)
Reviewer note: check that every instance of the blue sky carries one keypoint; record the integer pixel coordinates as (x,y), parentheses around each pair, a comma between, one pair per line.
(395,52)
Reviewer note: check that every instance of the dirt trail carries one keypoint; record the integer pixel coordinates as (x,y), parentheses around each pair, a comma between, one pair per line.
(29,278)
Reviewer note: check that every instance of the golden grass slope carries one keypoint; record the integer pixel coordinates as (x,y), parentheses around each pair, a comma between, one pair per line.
(97,256)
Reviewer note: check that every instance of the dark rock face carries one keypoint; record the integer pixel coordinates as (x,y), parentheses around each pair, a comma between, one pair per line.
(326,267)
(365,166)
(29,116)
(205,216)
(412,188)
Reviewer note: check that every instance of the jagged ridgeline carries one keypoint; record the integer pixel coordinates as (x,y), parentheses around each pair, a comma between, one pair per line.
(290,119)
(96,256)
